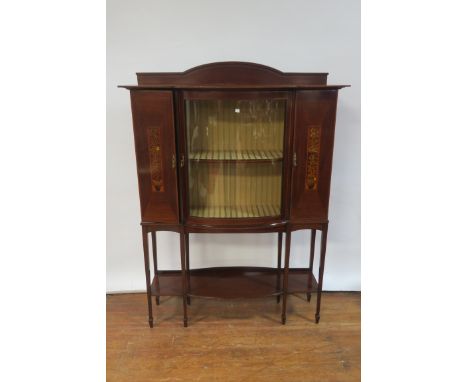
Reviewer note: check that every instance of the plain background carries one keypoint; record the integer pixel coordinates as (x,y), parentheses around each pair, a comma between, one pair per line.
(53,164)
(165,36)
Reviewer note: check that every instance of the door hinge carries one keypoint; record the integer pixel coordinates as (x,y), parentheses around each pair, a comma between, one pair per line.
(182,160)
(294,159)
(173,161)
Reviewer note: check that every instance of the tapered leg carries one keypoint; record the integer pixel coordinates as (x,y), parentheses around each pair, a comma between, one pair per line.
(187,261)
(280,246)
(184,276)
(323,249)
(155,261)
(285,276)
(311,260)
(148,277)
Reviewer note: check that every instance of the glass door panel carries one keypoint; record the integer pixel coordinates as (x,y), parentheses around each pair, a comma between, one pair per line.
(235,153)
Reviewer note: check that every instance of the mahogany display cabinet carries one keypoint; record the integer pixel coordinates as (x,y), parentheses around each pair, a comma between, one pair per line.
(233,147)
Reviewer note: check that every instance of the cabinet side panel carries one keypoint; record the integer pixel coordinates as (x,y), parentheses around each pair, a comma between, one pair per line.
(153,128)
(313,147)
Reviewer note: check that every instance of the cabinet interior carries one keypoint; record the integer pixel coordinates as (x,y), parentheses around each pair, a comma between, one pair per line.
(235,155)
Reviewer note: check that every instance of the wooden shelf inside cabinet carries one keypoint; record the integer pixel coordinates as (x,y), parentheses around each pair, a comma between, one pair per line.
(236,211)
(234,282)
(237,156)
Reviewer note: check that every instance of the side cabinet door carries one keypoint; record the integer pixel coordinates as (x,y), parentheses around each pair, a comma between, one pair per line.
(314,130)
(154,132)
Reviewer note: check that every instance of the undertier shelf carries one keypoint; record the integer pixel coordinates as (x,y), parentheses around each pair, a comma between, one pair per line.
(235,211)
(244,155)
(234,282)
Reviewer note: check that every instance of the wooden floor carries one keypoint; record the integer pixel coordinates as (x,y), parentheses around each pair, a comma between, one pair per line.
(234,340)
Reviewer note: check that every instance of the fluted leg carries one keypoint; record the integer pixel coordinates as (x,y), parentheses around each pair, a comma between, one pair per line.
(311,260)
(187,261)
(280,246)
(323,249)
(148,276)
(184,276)
(285,276)
(155,261)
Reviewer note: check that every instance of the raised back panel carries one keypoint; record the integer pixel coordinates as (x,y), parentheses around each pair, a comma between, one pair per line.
(153,126)
(232,73)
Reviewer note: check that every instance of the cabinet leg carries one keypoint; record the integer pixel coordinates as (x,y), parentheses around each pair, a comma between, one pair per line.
(285,275)
(278,276)
(155,262)
(148,277)
(323,249)
(311,261)
(184,276)
(187,262)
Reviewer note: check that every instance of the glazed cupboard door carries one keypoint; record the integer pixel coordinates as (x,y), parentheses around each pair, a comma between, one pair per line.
(314,130)
(235,150)
(154,132)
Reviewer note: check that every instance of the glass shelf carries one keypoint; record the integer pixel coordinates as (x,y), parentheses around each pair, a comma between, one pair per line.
(235,153)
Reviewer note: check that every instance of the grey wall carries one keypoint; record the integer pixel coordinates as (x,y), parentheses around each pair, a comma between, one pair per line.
(314,36)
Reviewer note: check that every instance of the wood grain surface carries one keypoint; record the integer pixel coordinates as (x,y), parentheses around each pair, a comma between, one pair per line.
(234,340)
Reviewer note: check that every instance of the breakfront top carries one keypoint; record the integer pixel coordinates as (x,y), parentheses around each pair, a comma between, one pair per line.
(234,145)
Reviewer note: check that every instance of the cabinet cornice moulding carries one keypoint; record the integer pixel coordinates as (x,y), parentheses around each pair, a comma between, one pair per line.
(231,74)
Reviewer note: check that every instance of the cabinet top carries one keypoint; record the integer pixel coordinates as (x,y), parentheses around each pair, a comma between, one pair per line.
(232,75)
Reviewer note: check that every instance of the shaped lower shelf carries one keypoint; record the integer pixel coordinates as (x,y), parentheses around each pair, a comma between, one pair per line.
(234,282)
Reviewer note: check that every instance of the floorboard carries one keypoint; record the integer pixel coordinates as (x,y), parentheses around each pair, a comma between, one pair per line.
(234,340)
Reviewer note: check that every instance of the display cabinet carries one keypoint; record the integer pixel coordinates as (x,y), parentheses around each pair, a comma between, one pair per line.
(233,147)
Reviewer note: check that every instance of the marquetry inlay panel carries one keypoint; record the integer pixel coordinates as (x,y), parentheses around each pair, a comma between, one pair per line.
(313,153)
(155,157)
